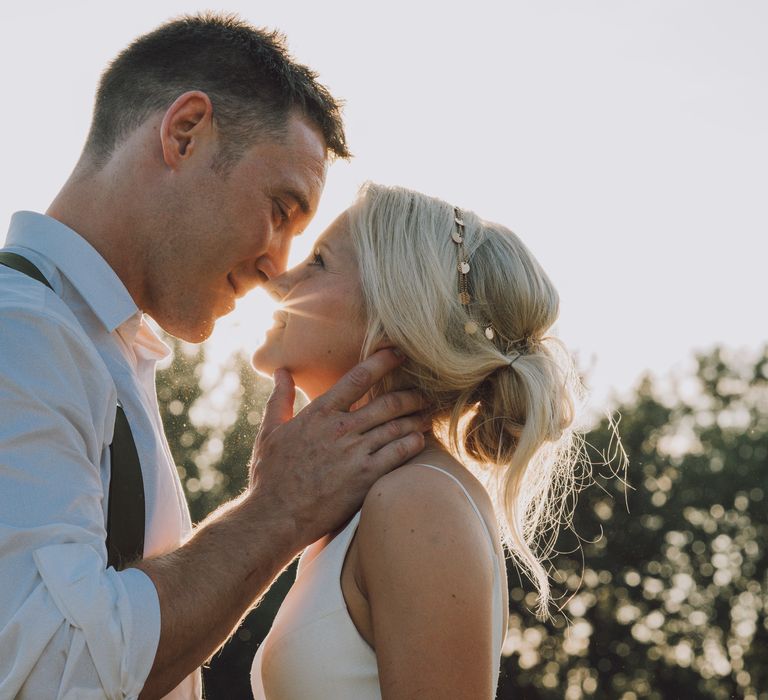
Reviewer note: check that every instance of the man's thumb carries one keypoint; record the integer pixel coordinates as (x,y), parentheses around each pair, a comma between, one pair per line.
(279,408)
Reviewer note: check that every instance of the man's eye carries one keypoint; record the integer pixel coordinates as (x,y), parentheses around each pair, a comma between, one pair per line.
(282,214)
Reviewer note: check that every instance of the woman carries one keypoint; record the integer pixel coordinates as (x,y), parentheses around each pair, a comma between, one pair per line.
(409,599)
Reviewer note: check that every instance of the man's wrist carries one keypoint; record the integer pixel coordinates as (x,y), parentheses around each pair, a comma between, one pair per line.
(273,519)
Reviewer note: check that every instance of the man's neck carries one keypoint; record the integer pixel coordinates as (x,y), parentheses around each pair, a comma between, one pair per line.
(91,207)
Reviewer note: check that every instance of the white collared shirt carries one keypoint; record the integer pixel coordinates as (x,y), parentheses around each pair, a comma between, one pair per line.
(69,627)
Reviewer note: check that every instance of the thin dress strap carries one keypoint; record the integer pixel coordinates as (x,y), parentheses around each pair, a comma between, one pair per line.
(502,633)
(469,498)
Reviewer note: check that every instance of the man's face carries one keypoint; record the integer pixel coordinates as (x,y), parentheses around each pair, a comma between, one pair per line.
(219,236)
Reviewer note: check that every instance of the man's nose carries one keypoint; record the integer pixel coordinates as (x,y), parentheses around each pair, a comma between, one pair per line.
(274,261)
(278,253)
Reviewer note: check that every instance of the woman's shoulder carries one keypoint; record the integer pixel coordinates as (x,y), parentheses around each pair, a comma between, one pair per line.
(432,502)
(421,549)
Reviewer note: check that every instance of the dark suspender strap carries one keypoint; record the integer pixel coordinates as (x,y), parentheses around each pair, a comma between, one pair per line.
(125,507)
(21,264)
(125,511)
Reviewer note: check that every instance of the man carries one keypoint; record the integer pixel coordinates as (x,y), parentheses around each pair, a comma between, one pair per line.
(207,154)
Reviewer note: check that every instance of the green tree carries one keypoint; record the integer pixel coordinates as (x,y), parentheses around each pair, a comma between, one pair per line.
(664,595)
(178,390)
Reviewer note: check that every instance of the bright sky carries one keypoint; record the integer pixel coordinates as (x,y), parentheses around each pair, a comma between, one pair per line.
(626,142)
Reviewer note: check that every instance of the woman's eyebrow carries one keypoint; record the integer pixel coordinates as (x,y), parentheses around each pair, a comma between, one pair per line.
(323,243)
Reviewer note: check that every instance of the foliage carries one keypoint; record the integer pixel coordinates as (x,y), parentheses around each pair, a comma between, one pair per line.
(211,444)
(664,591)
(666,596)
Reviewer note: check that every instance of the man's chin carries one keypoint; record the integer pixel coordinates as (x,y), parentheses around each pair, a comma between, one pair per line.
(190,331)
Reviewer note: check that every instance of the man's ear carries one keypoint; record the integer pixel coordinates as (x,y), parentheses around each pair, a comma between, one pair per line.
(186,123)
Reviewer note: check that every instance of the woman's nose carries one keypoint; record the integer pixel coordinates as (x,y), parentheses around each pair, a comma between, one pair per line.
(279,286)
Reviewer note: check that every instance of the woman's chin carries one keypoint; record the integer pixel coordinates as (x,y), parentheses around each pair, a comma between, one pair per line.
(262,363)
(311,383)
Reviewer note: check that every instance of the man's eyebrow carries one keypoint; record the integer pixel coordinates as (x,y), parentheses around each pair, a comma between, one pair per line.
(300,199)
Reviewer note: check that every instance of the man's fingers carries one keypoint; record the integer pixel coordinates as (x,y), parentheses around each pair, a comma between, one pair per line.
(279,408)
(385,408)
(395,453)
(394,430)
(356,383)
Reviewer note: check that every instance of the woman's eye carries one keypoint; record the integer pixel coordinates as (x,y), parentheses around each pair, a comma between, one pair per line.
(317,259)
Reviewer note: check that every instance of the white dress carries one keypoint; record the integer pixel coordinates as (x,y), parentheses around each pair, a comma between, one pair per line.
(314,651)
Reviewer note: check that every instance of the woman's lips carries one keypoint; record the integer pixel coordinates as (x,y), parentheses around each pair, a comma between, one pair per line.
(280,318)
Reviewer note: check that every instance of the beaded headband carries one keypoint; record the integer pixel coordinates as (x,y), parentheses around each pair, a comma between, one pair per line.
(471,326)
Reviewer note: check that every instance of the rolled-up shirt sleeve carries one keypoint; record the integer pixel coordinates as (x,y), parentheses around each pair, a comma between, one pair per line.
(69,627)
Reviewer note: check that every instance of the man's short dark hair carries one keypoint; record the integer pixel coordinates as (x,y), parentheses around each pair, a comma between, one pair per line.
(252,81)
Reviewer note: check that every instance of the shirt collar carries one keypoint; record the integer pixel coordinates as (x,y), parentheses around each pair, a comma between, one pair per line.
(148,344)
(82,265)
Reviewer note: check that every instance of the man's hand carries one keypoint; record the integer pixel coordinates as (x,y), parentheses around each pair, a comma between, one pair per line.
(320,464)
(308,475)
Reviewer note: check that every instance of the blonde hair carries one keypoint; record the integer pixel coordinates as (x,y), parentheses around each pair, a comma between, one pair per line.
(516,420)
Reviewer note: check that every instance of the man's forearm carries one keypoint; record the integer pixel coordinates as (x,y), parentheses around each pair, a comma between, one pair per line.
(206,585)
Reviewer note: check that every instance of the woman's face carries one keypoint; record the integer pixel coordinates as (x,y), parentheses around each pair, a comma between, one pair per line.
(319,332)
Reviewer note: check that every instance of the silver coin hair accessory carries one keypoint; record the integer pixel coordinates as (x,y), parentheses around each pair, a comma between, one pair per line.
(457,235)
